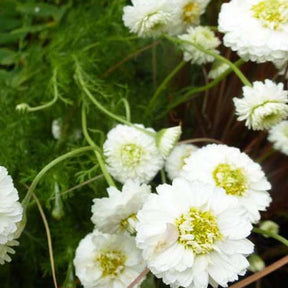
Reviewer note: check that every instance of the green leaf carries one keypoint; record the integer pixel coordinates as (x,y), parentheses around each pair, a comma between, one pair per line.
(7,57)
(7,38)
(8,23)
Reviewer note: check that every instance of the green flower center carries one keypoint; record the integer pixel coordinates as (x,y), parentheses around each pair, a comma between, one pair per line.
(271,13)
(111,262)
(198,230)
(131,154)
(191,13)
(232,180)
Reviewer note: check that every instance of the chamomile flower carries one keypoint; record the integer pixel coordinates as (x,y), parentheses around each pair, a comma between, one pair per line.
(147,18)
(248,24)
(10,208)
(176,160)
(106,260)
(132,154)
(118,212)
(5,250)
(202,36)
(192,234)
(227,168)
(263,105)
(278,135)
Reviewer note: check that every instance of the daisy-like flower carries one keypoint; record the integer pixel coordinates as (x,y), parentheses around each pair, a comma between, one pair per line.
(248,24)
(132,154)
(202,36)
(193,235)
(176,160)
(226,167)
(5,250)
(186,13)
(147,18)
(166,139)
(106,261)
(118,212)
(263,105)
(278,135)
(218,68)
(10,208)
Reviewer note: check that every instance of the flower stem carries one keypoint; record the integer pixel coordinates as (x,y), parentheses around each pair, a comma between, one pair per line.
(272,235)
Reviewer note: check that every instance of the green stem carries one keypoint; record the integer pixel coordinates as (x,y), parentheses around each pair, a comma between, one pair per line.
(272,235)
(96,149)
(44,170)
(163,85)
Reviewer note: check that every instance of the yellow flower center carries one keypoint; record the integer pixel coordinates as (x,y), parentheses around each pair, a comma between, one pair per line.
(111,262)
(128,223)
(131,155)
(231,179)
(191,13)
(271,13)
(198,230)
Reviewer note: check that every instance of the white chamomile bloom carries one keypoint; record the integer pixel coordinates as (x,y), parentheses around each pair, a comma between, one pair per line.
(248,24)
(106,261)
(278,135)
(5,250)
(186,13)
(166,139)
(193,235)
(176,160)
(263,105)
(118,212)
(132,154)
(147,18)
(226,167)
(202,36)
(10,208)
(218,68)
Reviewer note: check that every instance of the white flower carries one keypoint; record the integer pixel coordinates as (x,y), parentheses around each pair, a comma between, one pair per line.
(235,172)
(218,68)
(132,154)
(176,159)
(56,128)
(106,261)
(248,24)
(278,135)
(147,18)
(166,139)
(192,234)
(186,13)
(263,105)
(202,36)
(5,250)
(118,212)
(10,208)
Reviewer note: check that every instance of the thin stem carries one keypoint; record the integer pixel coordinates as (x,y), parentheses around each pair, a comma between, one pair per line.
(272,235)
(127,108)
(139,278)
(197,140)
(163,176)
(96,149)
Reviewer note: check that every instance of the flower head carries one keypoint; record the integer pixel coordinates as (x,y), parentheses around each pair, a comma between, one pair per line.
(202,36)
(192,234)
(176,160)
(132,154)
(106,260)
(248,24)
(227,168)
(278,135)
(118,212)
(263,105)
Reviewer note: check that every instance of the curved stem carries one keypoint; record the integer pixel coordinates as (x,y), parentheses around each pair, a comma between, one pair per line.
(127,108)
(96,149)
(272,235)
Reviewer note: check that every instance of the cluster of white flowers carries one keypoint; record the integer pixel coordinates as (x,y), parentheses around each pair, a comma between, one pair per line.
(10,215)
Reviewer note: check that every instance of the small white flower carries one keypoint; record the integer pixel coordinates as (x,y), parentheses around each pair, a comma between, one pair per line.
(176,160)
(10,208)
(192,234)
(5,250)
(56,128)
(263,105)
(218,68)
(256,263)
(132,154)
(202,36)
(118,212)
(147,18)
(166,139)
(248,24)
(269,226)
(106,261)
(226,167)
(278,135)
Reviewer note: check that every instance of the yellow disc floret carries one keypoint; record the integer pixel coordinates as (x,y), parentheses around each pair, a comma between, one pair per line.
(271,13)
(191,13)
(131,154)
(231,179)
(198,230)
